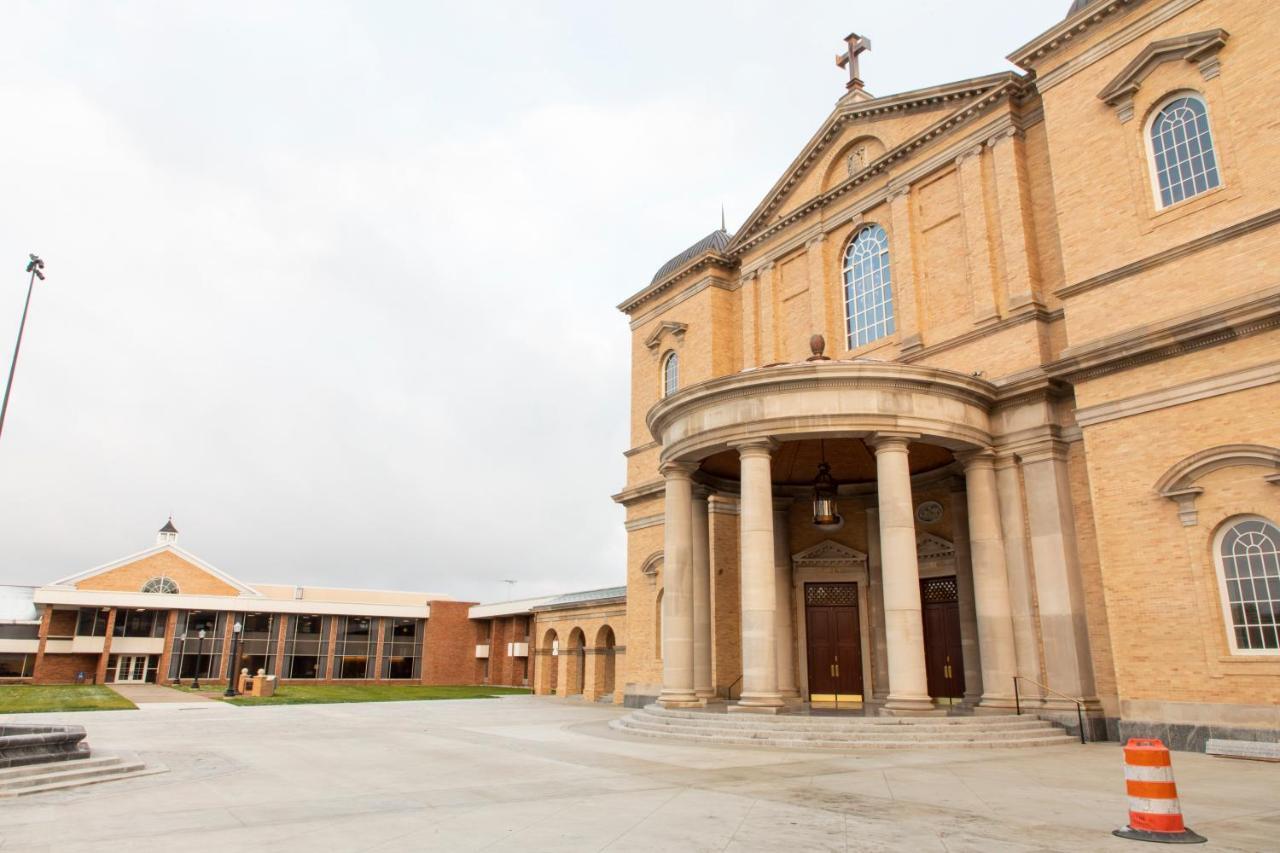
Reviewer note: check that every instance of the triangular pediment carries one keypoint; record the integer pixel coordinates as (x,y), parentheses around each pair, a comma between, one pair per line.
(1195,47)
(930,547)
(187,572)
(829,553)
(781,206)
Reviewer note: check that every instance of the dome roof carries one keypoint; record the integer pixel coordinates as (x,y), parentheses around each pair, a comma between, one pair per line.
(716,241)
(1077,5)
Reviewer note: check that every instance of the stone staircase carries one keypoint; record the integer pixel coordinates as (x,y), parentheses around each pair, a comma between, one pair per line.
(819,732)
(27,779)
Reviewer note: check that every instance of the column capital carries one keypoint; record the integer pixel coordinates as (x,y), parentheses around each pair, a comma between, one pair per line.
(763,445)
(889,440)
(980,457)
(816,239)
(1005,461)
(897,193)
(677,470)
(1042,450)
(972,151)
(1004,135)
(702,493)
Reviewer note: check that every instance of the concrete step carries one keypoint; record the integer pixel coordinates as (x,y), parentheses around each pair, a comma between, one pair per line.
(842,720)
(783,740)
(901,733)
(91,771)
(872,725)
(25,770)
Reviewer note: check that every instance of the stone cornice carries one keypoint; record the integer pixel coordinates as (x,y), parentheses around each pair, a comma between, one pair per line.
(706,260)
(1036,314)
(1248,226)
(1005,86)
(640,448)
(1226,322)
(1143,24)
(1187,392)
(672,327)
(1062,34)
(677,296)
(649,489)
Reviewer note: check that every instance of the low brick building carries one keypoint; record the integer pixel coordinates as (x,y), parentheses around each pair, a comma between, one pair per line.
(164,615)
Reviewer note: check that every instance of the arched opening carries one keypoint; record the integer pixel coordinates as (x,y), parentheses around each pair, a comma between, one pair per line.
(549,661)
(605,662)
(575,670)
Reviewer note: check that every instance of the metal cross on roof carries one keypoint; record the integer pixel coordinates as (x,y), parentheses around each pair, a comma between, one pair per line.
(857,44)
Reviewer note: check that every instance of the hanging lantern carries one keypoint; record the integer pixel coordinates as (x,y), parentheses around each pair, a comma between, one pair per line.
(826,514)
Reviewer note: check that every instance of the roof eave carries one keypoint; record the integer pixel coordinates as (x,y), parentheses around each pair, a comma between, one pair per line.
(1049,41)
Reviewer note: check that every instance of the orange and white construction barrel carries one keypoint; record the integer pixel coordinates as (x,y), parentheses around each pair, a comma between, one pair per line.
(1154,813)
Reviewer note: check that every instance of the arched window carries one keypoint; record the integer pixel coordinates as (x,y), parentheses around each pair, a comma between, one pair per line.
(1182,150)
(165,585)
(1249,562)
(868,297)
(670,374)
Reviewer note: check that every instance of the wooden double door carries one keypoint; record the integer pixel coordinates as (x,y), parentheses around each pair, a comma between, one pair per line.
(943,657)
(835,642)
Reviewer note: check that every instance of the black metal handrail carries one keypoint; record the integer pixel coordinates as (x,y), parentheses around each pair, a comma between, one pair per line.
(1017,700)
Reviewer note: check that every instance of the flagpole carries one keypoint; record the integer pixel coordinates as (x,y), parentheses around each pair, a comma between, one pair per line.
(35,267)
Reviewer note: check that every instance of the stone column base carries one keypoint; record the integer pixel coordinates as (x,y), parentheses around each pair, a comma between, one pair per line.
(911,708)
(996,705)
(705,695)
(681,701)
(756,709)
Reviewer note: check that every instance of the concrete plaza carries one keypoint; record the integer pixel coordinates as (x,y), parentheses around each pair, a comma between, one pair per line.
(533,773)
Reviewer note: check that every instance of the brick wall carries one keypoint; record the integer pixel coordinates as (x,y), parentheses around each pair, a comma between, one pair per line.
(449,645)
(62,669)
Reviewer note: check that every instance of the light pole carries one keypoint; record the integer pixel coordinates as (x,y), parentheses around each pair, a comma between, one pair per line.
(195,682)
(234,661)
(36,268)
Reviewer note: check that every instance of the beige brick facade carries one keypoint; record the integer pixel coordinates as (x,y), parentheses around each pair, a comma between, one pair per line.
(1115,343)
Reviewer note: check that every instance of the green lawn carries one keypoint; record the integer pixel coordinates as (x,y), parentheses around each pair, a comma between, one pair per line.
(308,694)
(36,698)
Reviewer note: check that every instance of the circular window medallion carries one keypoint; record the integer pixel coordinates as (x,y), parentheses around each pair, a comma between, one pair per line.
(928,512)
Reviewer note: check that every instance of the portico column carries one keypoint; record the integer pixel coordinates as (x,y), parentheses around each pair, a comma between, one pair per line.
(677,594)
(759,597)
(990,582)
(782,624)
(879,650)
(904,629)
(701,538)
(1022,595)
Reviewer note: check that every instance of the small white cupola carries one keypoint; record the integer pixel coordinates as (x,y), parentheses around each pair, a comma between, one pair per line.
(168,534)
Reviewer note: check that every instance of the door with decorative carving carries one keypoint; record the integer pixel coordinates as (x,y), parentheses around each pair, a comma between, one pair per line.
(943,658)
(835,643)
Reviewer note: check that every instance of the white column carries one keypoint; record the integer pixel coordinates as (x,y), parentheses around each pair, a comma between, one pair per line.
(879,648)
(1022,595)
(702,685)
(677,595)
(990,582)
(964,595)
(782,624)
(904,628)
(759,597)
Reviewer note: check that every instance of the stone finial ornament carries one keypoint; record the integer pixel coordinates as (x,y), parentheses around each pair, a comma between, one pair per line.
(817,344)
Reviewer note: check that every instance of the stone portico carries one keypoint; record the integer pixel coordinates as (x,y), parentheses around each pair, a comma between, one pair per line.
(893,431)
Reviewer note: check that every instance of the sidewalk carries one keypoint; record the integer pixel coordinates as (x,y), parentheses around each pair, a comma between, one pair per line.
(155,696)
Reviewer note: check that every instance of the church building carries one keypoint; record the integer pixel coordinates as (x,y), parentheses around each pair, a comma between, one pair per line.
(980,407)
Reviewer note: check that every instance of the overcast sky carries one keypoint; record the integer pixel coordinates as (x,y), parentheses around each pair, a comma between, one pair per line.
(334,284)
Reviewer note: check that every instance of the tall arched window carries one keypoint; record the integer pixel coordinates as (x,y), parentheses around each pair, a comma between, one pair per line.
(1249,562)
(868,295)
(1182,150)
(670,374)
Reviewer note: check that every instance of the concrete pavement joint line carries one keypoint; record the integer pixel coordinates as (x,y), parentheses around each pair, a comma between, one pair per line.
(741,821)
(624,833)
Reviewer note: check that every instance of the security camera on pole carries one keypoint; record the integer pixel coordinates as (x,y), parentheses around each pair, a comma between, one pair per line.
(36,267)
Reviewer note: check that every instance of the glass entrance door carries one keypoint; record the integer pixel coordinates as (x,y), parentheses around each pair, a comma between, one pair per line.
(131,668)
